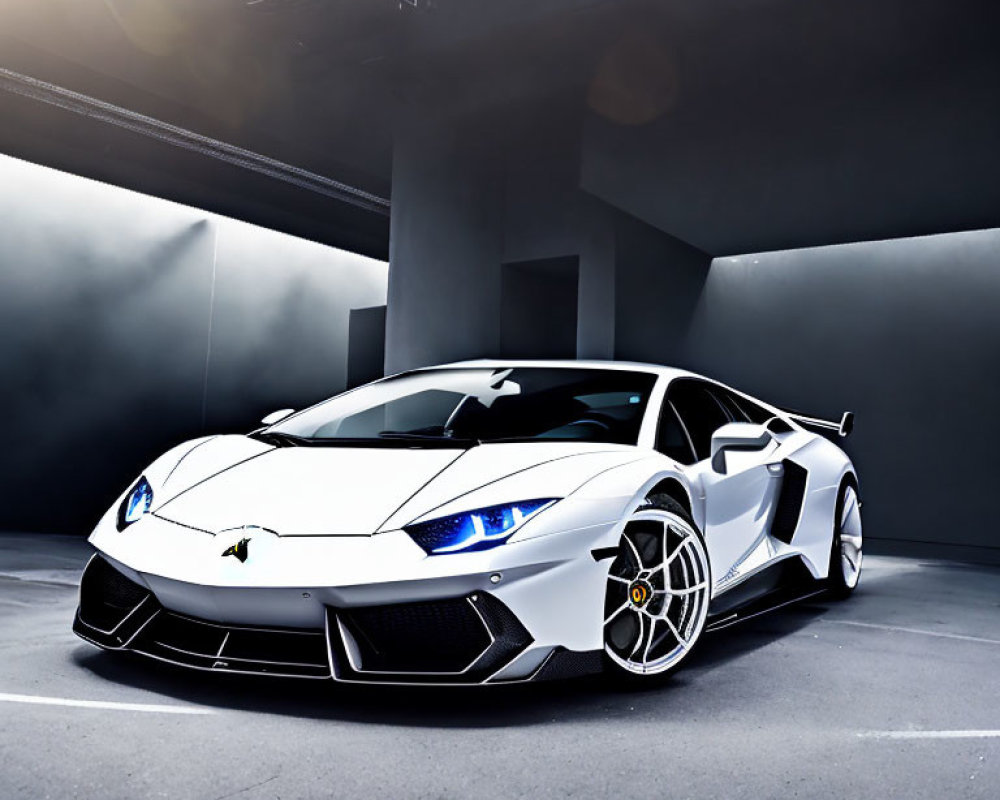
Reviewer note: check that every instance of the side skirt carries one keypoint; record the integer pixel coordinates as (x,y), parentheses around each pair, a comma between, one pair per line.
(776,586)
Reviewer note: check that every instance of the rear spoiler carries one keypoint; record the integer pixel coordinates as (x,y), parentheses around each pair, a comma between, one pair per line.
(824,426)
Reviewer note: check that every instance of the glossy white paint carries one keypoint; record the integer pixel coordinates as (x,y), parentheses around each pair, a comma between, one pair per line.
(334,519)
(309,491)
(525,467)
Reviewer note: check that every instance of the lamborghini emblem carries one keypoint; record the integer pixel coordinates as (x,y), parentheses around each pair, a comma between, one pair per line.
(239,550)
(639,593)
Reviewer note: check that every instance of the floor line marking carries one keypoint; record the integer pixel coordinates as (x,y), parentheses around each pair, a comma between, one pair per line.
(102,704)
(918,631)
(930,735)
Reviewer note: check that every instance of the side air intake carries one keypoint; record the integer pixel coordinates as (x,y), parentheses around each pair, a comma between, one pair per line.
(793,490)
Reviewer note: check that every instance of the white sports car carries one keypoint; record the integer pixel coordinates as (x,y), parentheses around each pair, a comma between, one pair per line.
(482,522)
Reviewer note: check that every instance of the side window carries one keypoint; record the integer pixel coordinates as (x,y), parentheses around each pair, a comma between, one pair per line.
(671,439)
(744,410)
(729,401)
(699,410)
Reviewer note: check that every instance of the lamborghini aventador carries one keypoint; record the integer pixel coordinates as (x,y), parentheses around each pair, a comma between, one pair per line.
(482,522)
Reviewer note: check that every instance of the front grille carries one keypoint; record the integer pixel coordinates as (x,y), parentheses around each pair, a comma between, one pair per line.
(206,645)
(462,639)
(436,636)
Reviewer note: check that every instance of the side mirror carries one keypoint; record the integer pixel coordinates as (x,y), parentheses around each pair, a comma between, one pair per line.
(737,436)
(276,416)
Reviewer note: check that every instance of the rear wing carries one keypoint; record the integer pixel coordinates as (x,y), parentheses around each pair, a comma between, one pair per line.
(824,426)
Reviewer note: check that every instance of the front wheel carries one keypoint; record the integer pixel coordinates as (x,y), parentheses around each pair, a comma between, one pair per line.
(658,591)
(845,553)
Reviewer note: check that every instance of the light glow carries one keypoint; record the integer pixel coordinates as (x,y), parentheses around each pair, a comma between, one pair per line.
(138,503)
(475,530)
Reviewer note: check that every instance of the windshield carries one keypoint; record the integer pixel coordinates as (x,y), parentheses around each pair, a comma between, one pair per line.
(462,407)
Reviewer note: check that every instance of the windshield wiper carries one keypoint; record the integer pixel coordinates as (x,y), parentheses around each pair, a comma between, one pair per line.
(278,439)
(525,439)
(428,437)
(384,439)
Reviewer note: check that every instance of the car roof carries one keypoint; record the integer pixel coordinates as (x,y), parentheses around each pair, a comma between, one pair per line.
(492,363)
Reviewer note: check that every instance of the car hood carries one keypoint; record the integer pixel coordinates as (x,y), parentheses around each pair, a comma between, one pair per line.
(357,491)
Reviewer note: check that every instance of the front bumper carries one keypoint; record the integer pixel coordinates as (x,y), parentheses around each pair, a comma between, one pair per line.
(470,639)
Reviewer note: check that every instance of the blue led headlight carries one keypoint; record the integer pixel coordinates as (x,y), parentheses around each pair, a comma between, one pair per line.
(480,529)
(136,504)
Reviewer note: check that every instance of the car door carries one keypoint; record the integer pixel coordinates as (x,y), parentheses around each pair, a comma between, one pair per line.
(737,504)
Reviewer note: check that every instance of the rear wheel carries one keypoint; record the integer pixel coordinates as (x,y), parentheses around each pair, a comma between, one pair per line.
(845,553)
(658,591)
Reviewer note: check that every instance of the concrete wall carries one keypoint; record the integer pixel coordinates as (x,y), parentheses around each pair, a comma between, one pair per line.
(128,324)
(903,332)
(658,280)
(538,312)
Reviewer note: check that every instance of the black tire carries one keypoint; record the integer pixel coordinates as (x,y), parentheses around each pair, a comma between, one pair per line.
(664,502)
(614,672)
(837,585)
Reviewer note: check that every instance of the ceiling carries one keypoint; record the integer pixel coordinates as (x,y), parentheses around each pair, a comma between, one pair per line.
(737,125)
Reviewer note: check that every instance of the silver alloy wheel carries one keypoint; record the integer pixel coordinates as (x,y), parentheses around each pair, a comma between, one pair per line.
(850,538)
(659,587)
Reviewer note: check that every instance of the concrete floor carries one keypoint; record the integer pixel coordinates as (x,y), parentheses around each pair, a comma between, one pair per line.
(895,693)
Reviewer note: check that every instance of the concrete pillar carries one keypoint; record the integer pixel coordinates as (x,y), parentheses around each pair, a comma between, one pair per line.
(444,248)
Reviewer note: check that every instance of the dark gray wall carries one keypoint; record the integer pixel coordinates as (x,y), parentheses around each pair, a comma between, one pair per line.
(366,345)
(128,324)
(658,280)
(905,333)
(538,312)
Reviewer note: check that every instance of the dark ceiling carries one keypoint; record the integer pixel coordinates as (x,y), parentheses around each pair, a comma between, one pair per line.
(737,125)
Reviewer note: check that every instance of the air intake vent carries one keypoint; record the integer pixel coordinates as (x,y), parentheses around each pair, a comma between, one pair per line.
(793,489)
(458,640)
(437,636)
(107,596)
